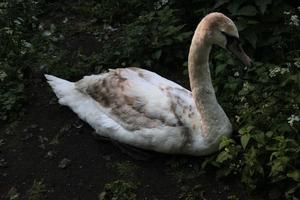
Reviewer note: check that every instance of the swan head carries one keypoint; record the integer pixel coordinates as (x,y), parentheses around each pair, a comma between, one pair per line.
(220,30)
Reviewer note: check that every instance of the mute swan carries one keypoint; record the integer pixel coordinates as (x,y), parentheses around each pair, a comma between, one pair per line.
(140,108)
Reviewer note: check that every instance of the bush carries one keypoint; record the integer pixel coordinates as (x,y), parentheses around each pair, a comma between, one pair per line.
(17,53)
(262,100)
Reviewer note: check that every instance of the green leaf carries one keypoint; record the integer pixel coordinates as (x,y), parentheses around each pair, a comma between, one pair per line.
(234,7)
(246,11)
(291,191)
(269,134)
(224,155)
(220,68)
(223,172)
(156,55)
(244,140)
(225,142)
(262,4)
(259,137)
(251,37)
(246,129)
(295,175)
(241,24)
(220,3)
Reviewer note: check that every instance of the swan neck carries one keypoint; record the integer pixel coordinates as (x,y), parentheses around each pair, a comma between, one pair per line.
(213,119)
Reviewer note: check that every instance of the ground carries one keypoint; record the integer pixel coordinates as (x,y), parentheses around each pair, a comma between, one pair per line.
(51,146)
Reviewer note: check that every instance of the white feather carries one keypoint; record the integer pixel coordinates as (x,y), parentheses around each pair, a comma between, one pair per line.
(163,138)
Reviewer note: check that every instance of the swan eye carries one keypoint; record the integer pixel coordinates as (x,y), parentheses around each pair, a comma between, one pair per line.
(231,39)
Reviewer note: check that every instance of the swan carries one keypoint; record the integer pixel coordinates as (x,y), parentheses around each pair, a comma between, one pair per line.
(144,110)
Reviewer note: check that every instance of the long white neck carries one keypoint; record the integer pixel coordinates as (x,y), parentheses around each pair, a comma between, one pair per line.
(214,121)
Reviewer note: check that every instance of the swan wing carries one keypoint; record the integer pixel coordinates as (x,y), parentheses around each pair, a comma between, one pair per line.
(137,99)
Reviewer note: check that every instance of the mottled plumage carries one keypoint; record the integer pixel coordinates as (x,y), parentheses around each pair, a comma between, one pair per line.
(140,108)
(135,106)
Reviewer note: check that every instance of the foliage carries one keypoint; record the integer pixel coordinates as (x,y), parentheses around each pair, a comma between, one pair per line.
(269,140)
(147,40)
(121,11)
(37,191)
(192,194)
(264,107)
(118,190)
(15,51)
(126,169)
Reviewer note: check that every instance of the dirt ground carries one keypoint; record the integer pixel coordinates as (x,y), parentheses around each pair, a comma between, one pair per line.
(50,145)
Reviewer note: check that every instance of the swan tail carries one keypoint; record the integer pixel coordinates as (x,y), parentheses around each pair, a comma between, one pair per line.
(70,94)
(63,89)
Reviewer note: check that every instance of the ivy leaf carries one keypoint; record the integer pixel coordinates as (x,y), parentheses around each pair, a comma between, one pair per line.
(224,155)
(241,24)
(156,55)
(259,137)
(246,11)
(220,68)
(262,4)
(252,38)
(225,142)
(269,134)
(291,191)
(246,129)
(244,140)
(220,3)
(234,7)
(295,175)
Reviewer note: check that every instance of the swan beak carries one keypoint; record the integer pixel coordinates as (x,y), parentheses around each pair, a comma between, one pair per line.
(236,48)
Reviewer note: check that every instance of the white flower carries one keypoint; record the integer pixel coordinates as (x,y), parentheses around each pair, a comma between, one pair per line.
(247,87)
(243,99)
(295,106)
(65,20)
(278,70)
(160,3)
(41,27)
(3,75)
(286,12)
(266,105)
(46,33)
(284,70)
(246,105)
(107,27)
(294,20)
(164,2)
(236,74)
(297,63)
(4,5)
(8,30)
(293,118)
(34,18)
(26,44)
(18,22)
(237,118)
(52,28)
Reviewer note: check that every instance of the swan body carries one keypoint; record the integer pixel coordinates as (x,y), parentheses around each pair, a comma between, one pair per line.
(140,108)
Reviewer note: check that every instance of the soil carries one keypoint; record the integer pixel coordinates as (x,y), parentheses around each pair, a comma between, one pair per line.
(35,146)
